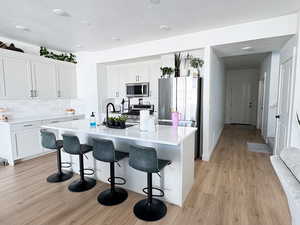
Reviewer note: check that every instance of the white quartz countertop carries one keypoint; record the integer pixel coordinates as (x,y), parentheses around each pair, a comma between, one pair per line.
(163,135)
(40,118)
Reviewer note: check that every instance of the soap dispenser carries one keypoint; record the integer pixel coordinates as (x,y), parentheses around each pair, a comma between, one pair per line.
(93,120)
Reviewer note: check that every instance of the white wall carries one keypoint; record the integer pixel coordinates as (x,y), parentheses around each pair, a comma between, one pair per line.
(213,102)
(295,130)
(87,72)
(30,108)
(265,72)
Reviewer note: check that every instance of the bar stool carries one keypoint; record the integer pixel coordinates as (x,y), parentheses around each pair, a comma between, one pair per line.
(145,159)
(72,146)
(49,141)
(104,150)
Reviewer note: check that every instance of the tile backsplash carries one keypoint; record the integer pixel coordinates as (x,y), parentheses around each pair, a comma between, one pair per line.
(31,108)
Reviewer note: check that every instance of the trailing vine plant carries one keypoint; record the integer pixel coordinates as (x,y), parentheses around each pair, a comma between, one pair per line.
(62,57)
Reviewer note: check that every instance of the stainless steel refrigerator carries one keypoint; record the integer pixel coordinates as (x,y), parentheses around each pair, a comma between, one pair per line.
(184,95)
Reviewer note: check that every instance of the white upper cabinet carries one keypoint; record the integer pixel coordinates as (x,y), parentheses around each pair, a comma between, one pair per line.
(24,76)
(44,80)
(142,72)
(17,78)
(66,81)
(154,75)
(113,81)
(2,90)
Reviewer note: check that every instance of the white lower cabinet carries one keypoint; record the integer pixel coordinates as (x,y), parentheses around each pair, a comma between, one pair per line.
(23,140)
(28,143)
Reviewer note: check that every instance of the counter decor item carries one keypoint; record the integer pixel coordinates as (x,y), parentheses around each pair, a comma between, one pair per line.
(144,117)
(3,116)
(93,122)
(70,111)
(10,47)
(177,57)
(117,122)
(175,118)
(196,64)
(62,57)
(166,72)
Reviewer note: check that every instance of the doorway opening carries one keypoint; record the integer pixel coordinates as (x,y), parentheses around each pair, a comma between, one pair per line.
(252,73)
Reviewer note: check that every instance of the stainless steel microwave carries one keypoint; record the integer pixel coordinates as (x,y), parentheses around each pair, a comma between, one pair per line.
(137,90)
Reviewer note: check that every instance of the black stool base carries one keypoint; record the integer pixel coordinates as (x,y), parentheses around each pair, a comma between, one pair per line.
(150,212)
(110,198)
(57,177)
(80,186)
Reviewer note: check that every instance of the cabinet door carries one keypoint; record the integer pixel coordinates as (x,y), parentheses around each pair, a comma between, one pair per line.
(17,78)
(154,75)
(67,81)
(113,81)
(44,80)
(132,73)
(2,91)
(142,72)
(28,143)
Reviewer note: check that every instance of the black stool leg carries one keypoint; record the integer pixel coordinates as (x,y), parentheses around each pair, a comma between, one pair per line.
(84,183)
(114,195)
(150,209)
(60,176)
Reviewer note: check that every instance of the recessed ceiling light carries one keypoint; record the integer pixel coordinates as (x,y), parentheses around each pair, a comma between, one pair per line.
(20,27)
(247,48)
(164,27)
(78,46)
(85,22)
(115,39)
(155,1)
(60,12)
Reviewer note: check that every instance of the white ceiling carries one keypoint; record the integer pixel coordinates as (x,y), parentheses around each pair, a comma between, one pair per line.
(258,46)
(236,58)
(132,21)
(252,61)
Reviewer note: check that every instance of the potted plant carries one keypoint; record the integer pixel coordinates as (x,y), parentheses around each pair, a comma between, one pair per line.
(177,64)
(196,63)
(166,71)
(122,121)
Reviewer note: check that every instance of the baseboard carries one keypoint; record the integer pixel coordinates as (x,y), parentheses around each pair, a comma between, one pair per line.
(206,157)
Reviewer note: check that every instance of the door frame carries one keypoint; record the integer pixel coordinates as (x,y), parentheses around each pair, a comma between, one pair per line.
(291,98)
(261,102)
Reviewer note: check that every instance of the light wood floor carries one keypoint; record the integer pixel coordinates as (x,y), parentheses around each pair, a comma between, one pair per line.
(235,187)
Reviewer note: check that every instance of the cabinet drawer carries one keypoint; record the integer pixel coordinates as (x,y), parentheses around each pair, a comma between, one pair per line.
(28,125)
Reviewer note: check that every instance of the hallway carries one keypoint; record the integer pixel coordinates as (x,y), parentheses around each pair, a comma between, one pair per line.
(235,187)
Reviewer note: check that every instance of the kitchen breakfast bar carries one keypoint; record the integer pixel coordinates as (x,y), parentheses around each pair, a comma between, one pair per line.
(175,144)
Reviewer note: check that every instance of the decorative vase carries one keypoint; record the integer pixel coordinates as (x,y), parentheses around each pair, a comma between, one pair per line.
(177,72)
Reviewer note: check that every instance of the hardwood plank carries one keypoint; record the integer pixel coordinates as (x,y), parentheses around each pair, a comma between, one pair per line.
(235,187)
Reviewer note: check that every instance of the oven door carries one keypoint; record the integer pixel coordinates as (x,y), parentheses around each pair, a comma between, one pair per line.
(137,90)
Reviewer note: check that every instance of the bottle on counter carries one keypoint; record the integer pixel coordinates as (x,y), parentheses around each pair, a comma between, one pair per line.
(93,120)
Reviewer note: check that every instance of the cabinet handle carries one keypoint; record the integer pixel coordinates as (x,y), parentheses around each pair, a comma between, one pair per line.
(54,122)
(28,125)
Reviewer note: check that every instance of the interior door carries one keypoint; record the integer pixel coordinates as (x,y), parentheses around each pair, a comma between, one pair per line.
(44,79)
(17,77)
(243,94)
(2,86)
(282,131)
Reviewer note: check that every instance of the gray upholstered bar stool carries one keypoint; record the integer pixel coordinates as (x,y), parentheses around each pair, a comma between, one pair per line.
(72,146)
(145,159)
(49,141)
(104,150)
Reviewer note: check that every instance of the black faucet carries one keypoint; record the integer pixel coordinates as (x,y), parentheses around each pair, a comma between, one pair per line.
(107,106)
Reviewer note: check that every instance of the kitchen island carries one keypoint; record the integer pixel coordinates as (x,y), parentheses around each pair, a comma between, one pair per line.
(172,143)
